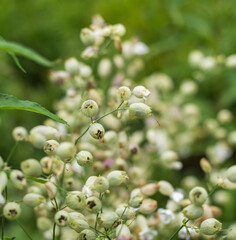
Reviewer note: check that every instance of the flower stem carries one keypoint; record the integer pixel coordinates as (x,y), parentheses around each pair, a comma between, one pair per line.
(3,223)
(24,230)
(177,231)
(54,232)
(11,152)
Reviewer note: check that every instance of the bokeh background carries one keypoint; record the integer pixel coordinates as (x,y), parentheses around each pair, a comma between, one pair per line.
(172,28)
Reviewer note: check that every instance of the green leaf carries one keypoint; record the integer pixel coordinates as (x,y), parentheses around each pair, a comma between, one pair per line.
(25,52)
(14,57)
(11,102)
(38,180)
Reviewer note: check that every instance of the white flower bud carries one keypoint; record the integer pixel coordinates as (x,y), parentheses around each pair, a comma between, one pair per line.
(232,138)
(148,206)
(87,235)
(224,116)
(62,218)
(31,167)
(107,219)
(33,199)
(84,158)
(124,93)
(3,181)
(116,178)
(205,165)
(210,226)
(87,36)
(93,204)
(122,231)
(165,188)
(89,108)
(72,66)
(140,110)
(44,223)
(37,139)
(141,92)
(188,88)
(50,147)
(150,189)
(12,211)
(110,137)
(231,231)
(193,211)
(104,67)
(51,190)
(74,215)
(101,184)
(118,30)
(19,133)
(18,179)
(169,156)
(66,151)
(75,200)
(231,174)
(46,164)
(96,130)
(198,195)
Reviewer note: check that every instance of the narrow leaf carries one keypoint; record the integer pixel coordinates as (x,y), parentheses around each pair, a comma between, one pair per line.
(25,52)
(11,102)
(38,180)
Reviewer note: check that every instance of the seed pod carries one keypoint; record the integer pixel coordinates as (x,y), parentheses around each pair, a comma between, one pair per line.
(18,179)
(107,219)
(3,181)
(148,206)
(198,195)
(116,178)
(205,165)
(193,211)
(101,184)
(51,190)
(31,167)
(140,110)
(93,204)
(124,93)
(11,210)
(87,235)
(210,226)
(78,224)
(50,147)
(231,174)
(44,223)
(141,92)
(66,151)
(83,158)
(75,200)
(89,108)
(33,199)
(62,218)
(19,133)
(165,188)
(96,130)
(122,231)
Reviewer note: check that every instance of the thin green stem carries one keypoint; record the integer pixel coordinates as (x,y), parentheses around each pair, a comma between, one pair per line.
(213,190)
(3,223)
(55,200)
(62,176)
(76,141)
(24,230)
(11,152)
(177,231)
(54,232)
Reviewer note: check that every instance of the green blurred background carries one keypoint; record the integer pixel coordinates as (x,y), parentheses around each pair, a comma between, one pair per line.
(172,28)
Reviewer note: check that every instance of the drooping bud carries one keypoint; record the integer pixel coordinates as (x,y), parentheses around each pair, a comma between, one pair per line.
(66,151)
(97,131)
(150,189)
(33,199)
(50,147)
(193,211)
(78,224)
(62,218)
(141,92)
(51,190)
(198,195)
(76,200)
(19,133)
(3,181)
(148,206)
(46,164)
(231,174)
(165,188)
(116,178)
(72,66)
(124,93)
(210,226)
(12,210)
(87,235)
(205,165)
(89,108)
(44,223)
(122,231)
(140,110)
(93,204)
(31,167)
(87,36)
(107,219)
(84,158)
(101,184)
(18,179)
